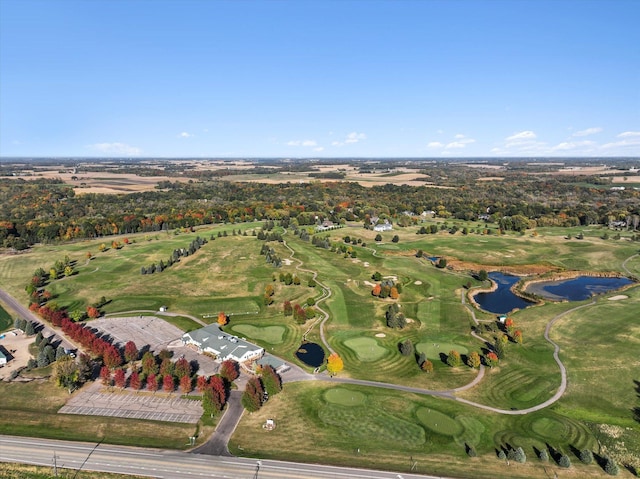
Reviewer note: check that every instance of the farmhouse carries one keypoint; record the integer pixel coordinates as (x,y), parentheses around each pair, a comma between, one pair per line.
(211,339)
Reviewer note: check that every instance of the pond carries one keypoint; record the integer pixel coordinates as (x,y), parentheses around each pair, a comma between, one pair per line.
(502,300)
(311,354)
(576,289)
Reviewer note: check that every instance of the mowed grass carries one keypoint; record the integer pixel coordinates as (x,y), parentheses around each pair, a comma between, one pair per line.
(268,334)
(6,322)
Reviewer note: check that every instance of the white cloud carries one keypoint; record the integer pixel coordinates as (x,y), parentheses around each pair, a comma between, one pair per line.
(116,149)
(302,143)
(628,142)
(573,145)
(184,134)
(461,143)
(521,136)
(435,144)
(459,136)
(629,134)
(588,131)
(353,137)
(320,148)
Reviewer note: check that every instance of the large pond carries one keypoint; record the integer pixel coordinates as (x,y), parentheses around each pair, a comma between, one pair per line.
(311,354)
(576,289)
(502,300)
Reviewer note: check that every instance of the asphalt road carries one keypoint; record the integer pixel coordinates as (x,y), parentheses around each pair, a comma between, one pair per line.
(165,464)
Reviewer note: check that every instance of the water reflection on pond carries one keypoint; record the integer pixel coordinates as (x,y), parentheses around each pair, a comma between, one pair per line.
(576,289)
(502,300)
(311,354)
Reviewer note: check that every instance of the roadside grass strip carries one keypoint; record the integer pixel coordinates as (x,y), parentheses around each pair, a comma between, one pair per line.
(367,349)
(268,334)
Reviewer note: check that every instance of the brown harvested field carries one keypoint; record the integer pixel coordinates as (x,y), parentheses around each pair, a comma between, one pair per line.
(491,178)
(626,179)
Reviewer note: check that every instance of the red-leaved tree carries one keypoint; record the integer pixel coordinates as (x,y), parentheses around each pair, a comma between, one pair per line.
(134,381)
(152,382)
(185,384)
(229,370)
(167,383)
(130,352)
(119,378)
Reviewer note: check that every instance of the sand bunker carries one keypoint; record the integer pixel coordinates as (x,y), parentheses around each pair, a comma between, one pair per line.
(369,283)
(418,283)
(365,264)
(287,261)
(381,335)
(618,297)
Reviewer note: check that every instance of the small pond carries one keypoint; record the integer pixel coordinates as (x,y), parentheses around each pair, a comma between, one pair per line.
(576,289)
(311,354)
(502,300)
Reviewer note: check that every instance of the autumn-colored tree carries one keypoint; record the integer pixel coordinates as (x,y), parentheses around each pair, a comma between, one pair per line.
(167,383)
(376,290)
(491,359)
(130,352)
(105,375)
(453,359)
(182,368)
(268,290)
(253,395)
(66,373)
(222,318)
(68,271)
(517,336)
(334,364)
(111,357)
(229,370)
(88,255)
(288,309)
(509,325)
(119,378)
(426,366)
(473,360)
(201,383)
(93,312)
(152,382)
(149,364)
(217,384)
(134,381)
(167,367)
(125,241)
(214,396)
(271,380)
(186,386)
(393,293)
(102,247)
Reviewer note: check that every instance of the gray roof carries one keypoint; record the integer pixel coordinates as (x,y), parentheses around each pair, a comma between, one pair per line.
(224,344)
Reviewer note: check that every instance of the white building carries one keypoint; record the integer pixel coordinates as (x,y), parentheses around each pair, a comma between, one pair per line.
(211,339)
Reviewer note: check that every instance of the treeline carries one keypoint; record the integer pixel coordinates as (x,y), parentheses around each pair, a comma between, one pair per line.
(159,267)
(48,210)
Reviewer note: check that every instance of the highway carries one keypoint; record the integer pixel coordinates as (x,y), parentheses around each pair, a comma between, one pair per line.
(157,463)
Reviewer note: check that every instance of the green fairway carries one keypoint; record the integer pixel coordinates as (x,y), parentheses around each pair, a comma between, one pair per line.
(435,350)
(345,397)
(268,334)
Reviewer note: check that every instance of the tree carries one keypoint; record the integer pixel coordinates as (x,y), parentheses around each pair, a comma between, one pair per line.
(152,382)
(29,329)
(229,370)
(453,359)
(134,381)
(93,312)
(167,383)
(68,271)
(510,325)
(253,395)
(482,275)
(611,467)
(473,360)
(406,347)
(334,364)
(376,276)
(426,366)
(376,290)
(586,456)
(442,263)
(519,455)
(419,253)
(167,367)
(66,373)
(564,461)
(395,239)
(393,293)
(186,385)
(105,375)
(288,309)
(201,383)
(517,336)
(130,352)
(182,368)
(149,364)
(378,237)
(111,357)
(491,359)
(271,380)
(223,319)
(119,378)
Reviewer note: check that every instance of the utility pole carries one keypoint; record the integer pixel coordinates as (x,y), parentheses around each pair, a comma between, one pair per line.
(55,464)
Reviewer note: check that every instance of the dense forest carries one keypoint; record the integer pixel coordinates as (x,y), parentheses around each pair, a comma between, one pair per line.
(48,210)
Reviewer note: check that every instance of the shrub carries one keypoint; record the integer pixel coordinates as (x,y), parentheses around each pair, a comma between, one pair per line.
(471,451)
(519,455)
(564,461)
(502,455)
(611,467)
(586,456)
(544,456)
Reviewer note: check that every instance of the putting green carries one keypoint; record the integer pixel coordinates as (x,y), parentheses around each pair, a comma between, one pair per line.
(344,397)
(433,350)
(268,334)
(439,422)
(367,349)
(549,427)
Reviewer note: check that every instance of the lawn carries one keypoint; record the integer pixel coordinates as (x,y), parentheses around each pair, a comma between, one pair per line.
(363,426)
(6,322)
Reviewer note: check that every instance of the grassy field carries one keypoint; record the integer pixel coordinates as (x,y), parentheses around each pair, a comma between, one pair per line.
(366,426)
(23,471)
(6,322)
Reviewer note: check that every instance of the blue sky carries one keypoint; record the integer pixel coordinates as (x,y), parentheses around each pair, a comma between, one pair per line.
(324,78)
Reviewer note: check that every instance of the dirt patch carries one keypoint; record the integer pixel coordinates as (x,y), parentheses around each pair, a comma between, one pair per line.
(15,344)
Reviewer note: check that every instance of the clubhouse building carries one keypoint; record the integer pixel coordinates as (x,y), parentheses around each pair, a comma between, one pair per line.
(212,340)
